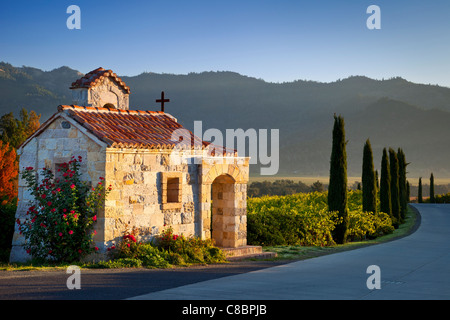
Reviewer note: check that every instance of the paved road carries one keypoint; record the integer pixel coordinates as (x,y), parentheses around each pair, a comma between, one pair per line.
(113,284)
(414,267)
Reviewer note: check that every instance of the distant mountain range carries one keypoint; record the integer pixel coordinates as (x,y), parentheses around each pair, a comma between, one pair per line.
(392,113)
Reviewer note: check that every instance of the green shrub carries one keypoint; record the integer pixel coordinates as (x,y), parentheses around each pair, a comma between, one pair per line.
(168,249)
(443,198)
(119,263)
(290,220)
(304,219)
(59,225)
(367,225)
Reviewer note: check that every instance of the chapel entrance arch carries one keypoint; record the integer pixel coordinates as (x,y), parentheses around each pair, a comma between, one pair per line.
(223,224)
(223,202)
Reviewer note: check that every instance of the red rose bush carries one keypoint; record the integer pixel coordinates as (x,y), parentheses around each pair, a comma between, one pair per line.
(60,224)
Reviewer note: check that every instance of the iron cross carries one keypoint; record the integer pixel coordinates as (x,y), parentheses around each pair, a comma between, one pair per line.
(162,101)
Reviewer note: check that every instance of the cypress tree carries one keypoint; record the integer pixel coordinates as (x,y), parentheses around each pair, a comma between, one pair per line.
(337,189)
(402,187)
(419,194)
(408,191)
(432,199)
(369,187)
(377,180)
(385,185)
(395,197)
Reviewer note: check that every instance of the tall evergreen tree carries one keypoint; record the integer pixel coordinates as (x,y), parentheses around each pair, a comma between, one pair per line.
(337,189)
(402,187)
(408,191)
(420,194)
(385,185)
(369,187)
(432,199)
(377,180)
(395,198)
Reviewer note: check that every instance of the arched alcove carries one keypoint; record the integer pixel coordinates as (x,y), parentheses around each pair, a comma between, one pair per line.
(109,106)
(222,210)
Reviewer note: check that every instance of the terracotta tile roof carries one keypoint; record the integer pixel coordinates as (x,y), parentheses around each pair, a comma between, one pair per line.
(94,77)
(135,129)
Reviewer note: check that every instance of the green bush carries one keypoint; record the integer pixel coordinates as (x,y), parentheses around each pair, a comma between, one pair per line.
(367,225)
(296,219)
(304,219)
(59,225)
(168,249)
(443,198)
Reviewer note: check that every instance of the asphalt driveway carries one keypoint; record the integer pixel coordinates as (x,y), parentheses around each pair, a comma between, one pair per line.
(414,267)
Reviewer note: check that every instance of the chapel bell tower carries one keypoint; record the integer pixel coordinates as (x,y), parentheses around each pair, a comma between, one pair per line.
(101,88)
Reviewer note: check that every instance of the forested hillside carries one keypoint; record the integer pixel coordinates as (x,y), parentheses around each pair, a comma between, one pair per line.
(392,113)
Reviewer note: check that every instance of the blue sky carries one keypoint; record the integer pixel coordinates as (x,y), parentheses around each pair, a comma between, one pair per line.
(273,40)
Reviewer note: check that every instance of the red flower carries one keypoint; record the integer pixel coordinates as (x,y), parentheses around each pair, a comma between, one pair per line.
(94,218)
(29,168)
(128,245)
(53,210)
(58,190)
(60,234)
(49,203)
(70,232)
(72,186)
(96,248)
(43,196)
(64,210)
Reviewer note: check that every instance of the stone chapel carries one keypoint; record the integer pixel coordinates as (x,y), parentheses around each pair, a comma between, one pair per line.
(156,180)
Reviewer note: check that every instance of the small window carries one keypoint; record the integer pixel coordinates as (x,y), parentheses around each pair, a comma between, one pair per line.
(65,125)
(173,190)
(171,187)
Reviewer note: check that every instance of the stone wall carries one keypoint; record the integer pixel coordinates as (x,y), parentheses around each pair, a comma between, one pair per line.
(137,201)
(57,144)
(105,92)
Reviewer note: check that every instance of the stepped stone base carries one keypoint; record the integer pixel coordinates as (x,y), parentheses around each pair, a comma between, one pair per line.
(247,252)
